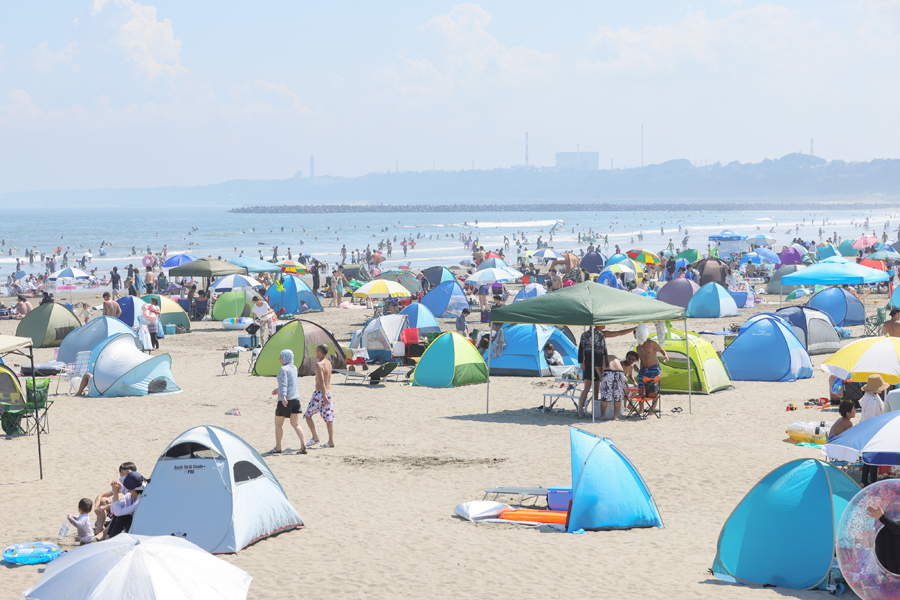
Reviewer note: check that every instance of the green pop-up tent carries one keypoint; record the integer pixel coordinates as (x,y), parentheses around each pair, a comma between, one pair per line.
(586,305)
(48,324)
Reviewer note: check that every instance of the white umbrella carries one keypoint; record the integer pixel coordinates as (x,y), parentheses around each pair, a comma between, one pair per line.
(140,567)
(234,282)
(69,273)
(492,275)
(547,254)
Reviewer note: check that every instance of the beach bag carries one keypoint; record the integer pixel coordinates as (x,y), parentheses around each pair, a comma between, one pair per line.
(180,329)
(252,329)
(651,388)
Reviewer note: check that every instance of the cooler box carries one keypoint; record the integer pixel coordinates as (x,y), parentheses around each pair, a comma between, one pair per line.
(558,497)
(248,341)
(169,328)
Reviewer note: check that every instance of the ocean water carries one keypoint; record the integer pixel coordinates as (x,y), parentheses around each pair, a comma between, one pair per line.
(214,231)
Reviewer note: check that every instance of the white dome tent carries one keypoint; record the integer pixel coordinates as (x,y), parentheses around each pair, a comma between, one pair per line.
(234,498)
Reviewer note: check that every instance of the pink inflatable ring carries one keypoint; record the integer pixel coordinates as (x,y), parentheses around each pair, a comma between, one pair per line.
(856,542)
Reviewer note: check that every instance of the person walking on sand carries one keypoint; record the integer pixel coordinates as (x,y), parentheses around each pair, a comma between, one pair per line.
(321,398)
(337,282)
(288,404)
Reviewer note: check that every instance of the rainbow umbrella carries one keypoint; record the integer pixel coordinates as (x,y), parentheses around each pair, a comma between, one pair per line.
(292,267)
(642,256)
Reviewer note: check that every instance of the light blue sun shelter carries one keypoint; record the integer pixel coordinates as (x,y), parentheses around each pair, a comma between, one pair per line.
(254,265)
(712,301)
(120,368)
(607,490)
(86,337)
(523,352)
(447,300)
(421,318)
(783,532)
(767,350)
(288,300)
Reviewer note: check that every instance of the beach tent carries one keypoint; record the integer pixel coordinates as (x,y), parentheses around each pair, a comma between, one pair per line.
(210,268)
(532,290)
(170,312)
(11,391)
(776,286)
(85,338)
(813,328)
(791,256)
(607,490)
(446,300)
(48,325)
(711,301)
(235,499)
(796,506)
(522,354)
(678,292)
(120,368)
(421,318)
(844,308)
(450,361)
(230,305)
(379,334)
(618,258)
(707,372)
(827,251)
(767,350)
(593,262)
(288,301)
(302,337)
(254,265)
(132,308)
(358,272)
(404,278)
(712,270)
(438,275)
(846,249)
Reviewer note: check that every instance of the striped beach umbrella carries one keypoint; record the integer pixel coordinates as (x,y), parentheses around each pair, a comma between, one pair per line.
(230,283)
(493,275)
(381,288)
(876,441)
(69,273)
(870,356)
(642,256)
(292,267)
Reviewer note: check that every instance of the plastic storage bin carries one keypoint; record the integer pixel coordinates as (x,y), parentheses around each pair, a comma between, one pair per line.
(558,497)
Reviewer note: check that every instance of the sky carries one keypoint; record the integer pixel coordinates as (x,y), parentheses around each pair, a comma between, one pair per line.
(117,93)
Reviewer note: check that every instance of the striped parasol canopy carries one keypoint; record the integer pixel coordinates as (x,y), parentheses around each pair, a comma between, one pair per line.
(870,356)
(642,256)
(292,267)
(381,288)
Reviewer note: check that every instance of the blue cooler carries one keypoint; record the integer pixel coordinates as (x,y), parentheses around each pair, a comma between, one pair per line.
(558,497)
(248,341)
(169,328)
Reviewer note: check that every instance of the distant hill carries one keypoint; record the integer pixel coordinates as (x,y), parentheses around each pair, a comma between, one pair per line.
(792,176)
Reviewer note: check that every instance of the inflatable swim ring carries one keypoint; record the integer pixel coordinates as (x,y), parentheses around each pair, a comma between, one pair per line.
(148,313)
(856,542)
(239,323)
(815,432)
(31,553)
(556,517)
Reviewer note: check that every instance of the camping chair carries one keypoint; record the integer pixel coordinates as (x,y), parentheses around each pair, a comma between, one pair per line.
(75,371)
(200,309)
(875,323)
(254,354)
(11,418)
(371,377)
(231,358)
(39,402)
(642,404)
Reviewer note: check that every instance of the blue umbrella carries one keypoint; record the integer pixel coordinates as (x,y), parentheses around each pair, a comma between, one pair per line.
(69,273)
(234,282)
(752,257)
(254,265)
(768,255)
(492,275)
(875,440)
(547,254)
(178,260)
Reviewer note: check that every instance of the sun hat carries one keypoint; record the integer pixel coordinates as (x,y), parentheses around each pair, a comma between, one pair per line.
(134,481)
(875,385)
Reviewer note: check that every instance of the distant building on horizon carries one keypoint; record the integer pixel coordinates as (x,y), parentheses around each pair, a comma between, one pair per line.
(578,161)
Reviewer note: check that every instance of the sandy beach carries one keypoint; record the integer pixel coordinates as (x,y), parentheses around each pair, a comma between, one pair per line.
(378,508)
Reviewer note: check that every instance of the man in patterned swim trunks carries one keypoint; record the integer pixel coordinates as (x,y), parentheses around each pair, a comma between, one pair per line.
(612,385)
(321,398)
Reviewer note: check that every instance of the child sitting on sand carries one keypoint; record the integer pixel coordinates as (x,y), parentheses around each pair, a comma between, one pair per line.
(83,522)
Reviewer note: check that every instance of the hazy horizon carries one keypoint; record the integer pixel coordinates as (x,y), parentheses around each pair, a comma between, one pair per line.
(118,94)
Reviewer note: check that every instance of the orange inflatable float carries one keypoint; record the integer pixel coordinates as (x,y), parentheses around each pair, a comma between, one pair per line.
(556,517)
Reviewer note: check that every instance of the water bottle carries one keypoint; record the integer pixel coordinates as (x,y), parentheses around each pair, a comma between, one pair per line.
(64,530)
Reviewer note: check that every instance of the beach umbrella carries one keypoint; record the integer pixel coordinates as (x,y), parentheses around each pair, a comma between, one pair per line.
(492,263)
(469,262)
(690,255)
(620,268)
(493,275)
(547,254)
(864,241)
(254,265)
(69,273)
(870,356)
(888,253)
(381,288)
(404,278)
(642,256)
(751,257)
(292,267)
(876,441)
(798,293)
(761,240)
(525,254)
(617,258)
(140,566)
(231,283)
(492,255)
(768,255)
(178,260)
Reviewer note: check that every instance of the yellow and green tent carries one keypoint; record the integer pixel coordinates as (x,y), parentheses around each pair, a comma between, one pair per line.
(450,361)
(170,312)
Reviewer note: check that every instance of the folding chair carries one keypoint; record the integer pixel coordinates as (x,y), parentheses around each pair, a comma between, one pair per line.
(38,402)
(875,323)
(231,358)
(254,354)
(372,377)
(646,402)
(75,371)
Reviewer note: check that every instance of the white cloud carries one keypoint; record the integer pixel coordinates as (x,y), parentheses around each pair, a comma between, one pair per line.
(75,21)
(20,107)
(149,43)
(44,60)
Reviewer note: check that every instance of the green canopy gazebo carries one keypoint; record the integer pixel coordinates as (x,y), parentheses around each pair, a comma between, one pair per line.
(586,305)
(211,268)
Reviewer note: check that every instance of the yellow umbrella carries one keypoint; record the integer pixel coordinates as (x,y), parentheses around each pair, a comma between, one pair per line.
(871,356)
(381,288)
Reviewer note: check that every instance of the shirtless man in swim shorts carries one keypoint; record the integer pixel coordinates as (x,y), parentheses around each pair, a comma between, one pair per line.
(612,384)
(321,399)
(111,308)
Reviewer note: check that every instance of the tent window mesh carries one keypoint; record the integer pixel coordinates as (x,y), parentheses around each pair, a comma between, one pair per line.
(244,470)
(190,450)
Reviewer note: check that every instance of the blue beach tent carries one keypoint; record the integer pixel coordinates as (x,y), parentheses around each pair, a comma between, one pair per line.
(131,310)
(767,350)
(295,290)
(607,490)
(783,532)
(421,318)
(532,290)
(85,338)
(593,262)
(437,275)
(523,352)
(844,308)
(711,301)
(447,300)
(120,368)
